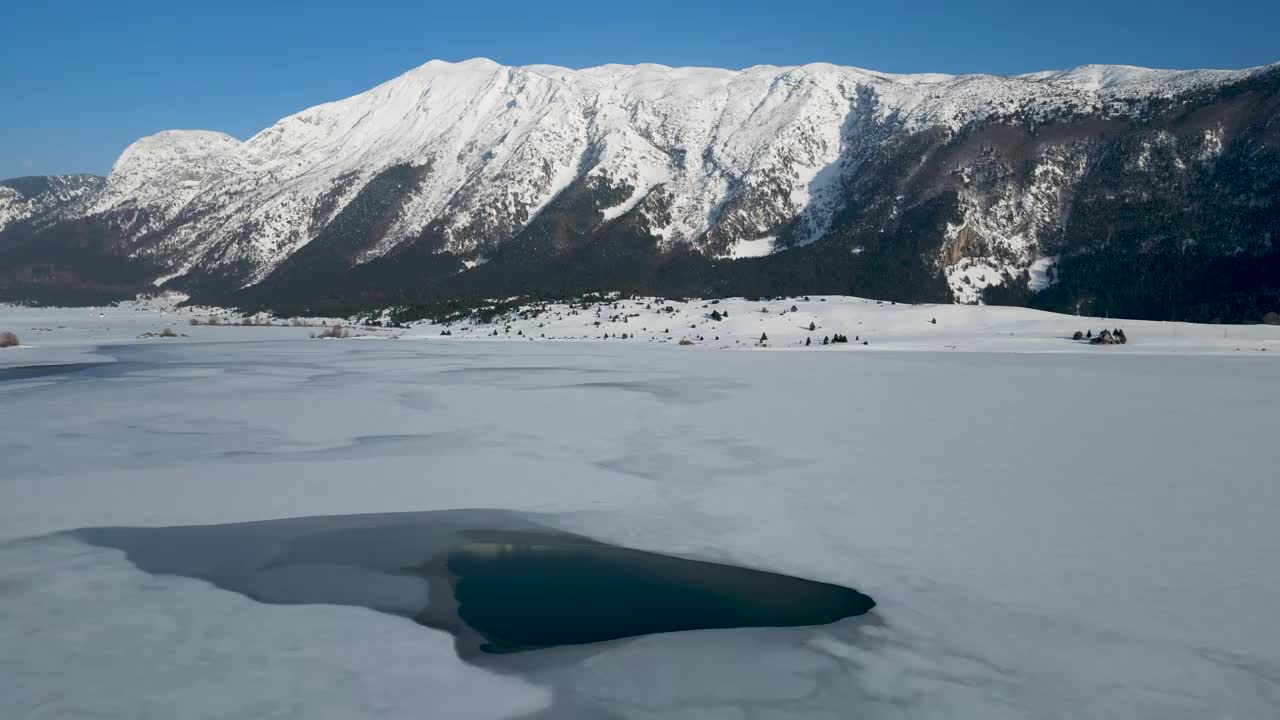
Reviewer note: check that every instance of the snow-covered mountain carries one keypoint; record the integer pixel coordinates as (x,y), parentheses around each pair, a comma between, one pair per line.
(566,178)
(34,197)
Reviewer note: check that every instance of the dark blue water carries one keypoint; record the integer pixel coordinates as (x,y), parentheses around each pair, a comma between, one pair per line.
(498,581)
(527,595)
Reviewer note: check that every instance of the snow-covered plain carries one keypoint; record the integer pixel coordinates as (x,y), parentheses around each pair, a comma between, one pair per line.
(1049,529)
(881,325)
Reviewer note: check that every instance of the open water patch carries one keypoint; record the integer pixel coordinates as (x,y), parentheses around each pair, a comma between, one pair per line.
(523,592)
(498,581)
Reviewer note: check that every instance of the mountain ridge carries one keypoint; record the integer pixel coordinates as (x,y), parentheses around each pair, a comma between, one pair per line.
(698,166)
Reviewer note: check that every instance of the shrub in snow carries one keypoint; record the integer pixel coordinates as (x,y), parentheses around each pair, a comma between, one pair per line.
(1271,318)
(8,339)
(715,315)
(166,333)
(812,326)
(1106,337)
(336,332)
(1077,335)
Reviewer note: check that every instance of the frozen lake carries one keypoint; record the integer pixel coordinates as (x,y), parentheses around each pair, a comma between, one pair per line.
(1045,535)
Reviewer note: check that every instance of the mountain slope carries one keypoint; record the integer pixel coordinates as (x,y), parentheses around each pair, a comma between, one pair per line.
(33,198)
(466,179)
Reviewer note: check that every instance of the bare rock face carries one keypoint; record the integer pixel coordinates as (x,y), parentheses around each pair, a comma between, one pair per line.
(1099,188)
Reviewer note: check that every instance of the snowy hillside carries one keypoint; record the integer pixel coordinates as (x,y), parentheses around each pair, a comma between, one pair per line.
(785,323)
(921,187)
(53,335)
(738,155)
(33,197)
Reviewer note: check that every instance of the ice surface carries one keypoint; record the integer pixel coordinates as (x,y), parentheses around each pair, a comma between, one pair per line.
(1083,533)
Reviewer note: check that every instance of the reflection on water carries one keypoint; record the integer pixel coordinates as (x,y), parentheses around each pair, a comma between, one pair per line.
(535,594)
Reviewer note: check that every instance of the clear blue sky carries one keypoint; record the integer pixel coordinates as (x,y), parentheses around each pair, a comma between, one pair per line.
(81,79)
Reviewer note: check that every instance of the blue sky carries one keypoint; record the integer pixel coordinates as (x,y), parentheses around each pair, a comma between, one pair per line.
(81,79)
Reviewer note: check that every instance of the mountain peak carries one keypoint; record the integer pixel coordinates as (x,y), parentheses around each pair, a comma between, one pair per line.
(453,163)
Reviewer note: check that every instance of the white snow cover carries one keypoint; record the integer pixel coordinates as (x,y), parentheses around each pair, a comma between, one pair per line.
(12,206)
(161,173)
(1132,80)
(752,248)
(746,151)
(62,189)
(1087,533)
(1040,274)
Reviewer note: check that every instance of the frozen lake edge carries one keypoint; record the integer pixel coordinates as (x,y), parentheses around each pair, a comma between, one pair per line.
(1082,534)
